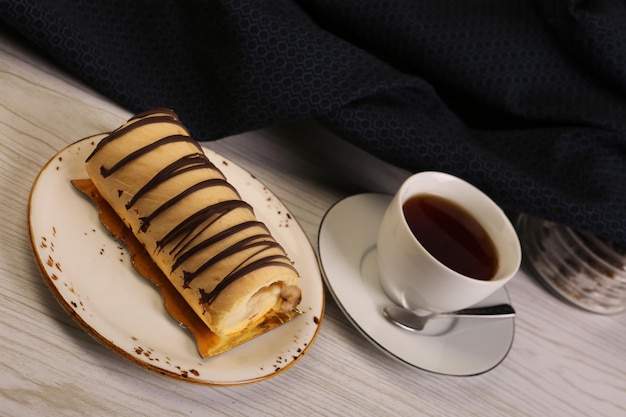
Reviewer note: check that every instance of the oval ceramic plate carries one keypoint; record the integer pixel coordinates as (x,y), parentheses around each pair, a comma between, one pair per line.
(347,250)
(90,274)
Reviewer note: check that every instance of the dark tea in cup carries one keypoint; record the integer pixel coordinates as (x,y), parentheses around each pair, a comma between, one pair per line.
(452,235)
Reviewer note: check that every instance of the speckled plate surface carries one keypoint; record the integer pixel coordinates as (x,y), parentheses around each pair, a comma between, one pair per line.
(450,346)
(90,274)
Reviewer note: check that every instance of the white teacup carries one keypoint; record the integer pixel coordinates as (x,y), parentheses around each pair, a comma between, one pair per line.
(414,278)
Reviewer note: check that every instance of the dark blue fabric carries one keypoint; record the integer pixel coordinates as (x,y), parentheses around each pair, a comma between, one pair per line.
(525,99)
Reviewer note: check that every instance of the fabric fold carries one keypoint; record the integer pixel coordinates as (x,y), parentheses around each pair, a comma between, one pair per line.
(524,99)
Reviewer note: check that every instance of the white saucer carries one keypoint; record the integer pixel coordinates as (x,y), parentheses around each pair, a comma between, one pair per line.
(347,251)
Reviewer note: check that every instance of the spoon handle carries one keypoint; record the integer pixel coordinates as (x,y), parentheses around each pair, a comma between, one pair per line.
(498,310)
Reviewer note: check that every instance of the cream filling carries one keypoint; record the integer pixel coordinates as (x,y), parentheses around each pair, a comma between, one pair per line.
(278,296)
(249,311)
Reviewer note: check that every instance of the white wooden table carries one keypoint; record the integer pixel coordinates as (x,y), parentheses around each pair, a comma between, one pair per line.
(564,361)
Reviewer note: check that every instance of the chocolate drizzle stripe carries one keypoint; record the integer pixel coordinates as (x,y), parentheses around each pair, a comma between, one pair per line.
(105,172)
(186,240)
(259,241)
(195,220)
(214,182)
(215,239)
(266,262)
(153,112)
(136,123)
(182,165)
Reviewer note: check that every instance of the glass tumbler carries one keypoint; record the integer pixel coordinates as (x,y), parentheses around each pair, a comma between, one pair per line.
(585,270)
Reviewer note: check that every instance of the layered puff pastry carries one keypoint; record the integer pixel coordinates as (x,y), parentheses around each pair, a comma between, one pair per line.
(195,227)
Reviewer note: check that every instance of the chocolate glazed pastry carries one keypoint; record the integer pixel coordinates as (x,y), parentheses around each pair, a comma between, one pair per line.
(194,226)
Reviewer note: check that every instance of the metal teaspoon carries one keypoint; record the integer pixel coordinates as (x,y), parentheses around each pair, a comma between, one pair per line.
(408,320)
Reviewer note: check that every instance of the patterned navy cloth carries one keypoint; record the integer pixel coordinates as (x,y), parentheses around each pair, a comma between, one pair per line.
(525,99)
